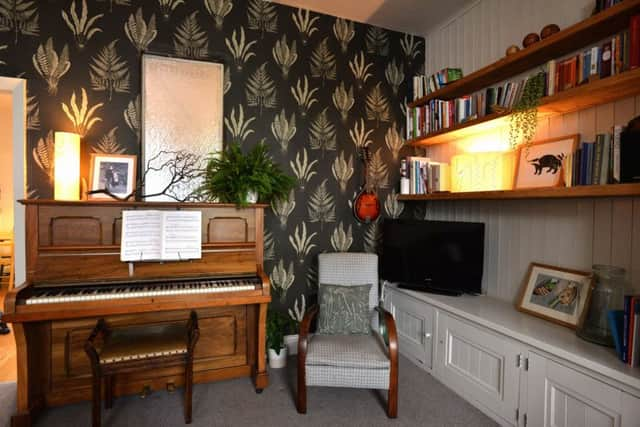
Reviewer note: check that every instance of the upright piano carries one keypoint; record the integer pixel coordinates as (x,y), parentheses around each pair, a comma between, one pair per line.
(75,277)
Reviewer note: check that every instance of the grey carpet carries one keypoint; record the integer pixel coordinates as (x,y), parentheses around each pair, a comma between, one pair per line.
(7,403)
(423,401)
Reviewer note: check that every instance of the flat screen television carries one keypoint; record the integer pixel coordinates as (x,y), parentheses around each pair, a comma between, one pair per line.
(433,256)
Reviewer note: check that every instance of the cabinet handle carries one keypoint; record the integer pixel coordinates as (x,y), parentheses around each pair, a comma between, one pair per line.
(427,335)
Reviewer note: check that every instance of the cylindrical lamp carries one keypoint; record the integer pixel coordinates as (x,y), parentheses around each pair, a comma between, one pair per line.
(67,166)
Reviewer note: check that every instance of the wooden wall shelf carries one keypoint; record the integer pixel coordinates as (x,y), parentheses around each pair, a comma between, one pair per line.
(594,93)
(583,191)
(583,33)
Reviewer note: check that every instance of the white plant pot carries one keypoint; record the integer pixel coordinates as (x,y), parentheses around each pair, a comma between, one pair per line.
(277,361)
(252,197)
(291,341)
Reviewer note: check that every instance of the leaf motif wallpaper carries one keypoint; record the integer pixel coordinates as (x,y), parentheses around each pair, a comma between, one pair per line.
(314,88)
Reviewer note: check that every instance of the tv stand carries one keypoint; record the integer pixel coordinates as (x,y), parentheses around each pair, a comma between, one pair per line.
(430,289)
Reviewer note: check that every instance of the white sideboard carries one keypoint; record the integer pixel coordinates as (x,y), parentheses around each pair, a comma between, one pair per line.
(519,370)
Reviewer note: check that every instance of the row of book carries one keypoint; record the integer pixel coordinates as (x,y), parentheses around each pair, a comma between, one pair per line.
(605,4)
(438,114)
(625,329)
(421,175)
(595,162)
(421,85)
(616,55)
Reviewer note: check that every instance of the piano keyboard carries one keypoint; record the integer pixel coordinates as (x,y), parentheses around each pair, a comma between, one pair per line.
(54,295)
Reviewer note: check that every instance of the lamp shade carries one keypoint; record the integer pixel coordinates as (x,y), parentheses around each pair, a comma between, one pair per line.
(67,166)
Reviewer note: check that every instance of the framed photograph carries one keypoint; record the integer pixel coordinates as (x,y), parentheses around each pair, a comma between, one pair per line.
(115,173)
(541,165)
(556,294)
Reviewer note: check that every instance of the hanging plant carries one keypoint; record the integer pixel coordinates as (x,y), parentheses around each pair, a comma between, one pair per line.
(524,117)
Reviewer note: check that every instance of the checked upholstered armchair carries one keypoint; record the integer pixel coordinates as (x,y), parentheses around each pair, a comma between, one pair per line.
(354,361)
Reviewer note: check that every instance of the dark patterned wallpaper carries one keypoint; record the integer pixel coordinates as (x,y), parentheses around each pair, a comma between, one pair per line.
(313,87)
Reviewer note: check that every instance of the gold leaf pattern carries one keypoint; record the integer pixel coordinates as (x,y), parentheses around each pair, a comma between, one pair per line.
(109,72)
(82,27)
(189,39)
(81,116)
(218,9)
(139,32)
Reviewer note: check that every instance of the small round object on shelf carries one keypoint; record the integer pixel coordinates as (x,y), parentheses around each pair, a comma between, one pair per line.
(549,30)
(530,39)
(512,49)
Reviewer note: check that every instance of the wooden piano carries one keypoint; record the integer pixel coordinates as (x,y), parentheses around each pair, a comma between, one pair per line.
(75,277)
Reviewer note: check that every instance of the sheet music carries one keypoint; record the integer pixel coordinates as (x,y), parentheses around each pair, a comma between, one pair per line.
(149,235)
(182,232)
(141,236)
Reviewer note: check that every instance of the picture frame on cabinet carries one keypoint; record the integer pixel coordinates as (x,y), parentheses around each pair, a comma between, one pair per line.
(115,173)
(541,164)
(556,294)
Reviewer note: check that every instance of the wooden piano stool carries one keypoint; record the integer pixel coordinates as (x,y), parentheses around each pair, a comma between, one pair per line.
(137,348)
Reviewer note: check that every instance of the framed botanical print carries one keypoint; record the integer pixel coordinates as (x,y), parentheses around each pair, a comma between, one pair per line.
(181,111)
(542,164)
(556,294)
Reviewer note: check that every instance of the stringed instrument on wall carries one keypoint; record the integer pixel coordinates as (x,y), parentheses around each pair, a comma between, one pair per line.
(366,207)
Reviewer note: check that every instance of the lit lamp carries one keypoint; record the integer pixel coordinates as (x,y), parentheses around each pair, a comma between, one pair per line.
(482,171)
(67,166)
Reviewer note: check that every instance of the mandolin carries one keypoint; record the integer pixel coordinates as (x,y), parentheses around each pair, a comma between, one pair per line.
(366,207)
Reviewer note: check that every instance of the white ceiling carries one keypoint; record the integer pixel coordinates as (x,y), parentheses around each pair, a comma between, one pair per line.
(409,16)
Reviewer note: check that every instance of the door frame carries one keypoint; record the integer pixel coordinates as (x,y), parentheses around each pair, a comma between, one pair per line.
(18,90)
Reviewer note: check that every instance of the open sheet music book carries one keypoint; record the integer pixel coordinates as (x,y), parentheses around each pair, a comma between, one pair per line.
(153,235)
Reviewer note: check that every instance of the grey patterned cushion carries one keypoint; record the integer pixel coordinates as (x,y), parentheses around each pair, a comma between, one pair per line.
(344,310)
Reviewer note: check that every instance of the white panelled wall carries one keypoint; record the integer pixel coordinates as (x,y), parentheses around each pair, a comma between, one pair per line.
(570,233)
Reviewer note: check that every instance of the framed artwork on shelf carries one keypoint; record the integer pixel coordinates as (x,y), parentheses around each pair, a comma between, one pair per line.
(542,164)
(556,294)
(115,173)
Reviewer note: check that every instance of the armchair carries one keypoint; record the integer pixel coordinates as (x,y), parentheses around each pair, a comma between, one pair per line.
(355,361)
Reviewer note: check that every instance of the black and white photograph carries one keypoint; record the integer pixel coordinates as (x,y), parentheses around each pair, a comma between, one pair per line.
(115,174)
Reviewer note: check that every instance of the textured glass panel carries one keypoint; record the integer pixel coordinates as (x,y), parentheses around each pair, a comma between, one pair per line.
(182,110)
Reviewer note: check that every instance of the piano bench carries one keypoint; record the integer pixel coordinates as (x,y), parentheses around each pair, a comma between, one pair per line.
(137,348)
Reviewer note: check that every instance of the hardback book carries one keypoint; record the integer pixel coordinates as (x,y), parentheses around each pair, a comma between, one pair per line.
(617,132)
(551,77)
(605,163)
(595,56)
(597,159)
(615,318)
(634,42)
(605,60)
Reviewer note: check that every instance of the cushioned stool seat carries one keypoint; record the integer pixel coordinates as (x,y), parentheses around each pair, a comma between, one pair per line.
(144,342)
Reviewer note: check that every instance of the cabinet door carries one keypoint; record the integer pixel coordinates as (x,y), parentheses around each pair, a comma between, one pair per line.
(559,396)
(414,322)
(479,365)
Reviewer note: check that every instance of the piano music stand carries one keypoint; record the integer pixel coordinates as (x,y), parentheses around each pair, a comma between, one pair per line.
(125,350)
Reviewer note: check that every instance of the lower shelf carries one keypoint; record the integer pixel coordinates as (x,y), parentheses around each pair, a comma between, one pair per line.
(583,191)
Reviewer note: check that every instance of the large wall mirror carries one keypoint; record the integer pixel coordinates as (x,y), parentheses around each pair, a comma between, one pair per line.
(182,110)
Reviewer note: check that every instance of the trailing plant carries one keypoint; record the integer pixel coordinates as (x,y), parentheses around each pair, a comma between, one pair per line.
(231,175)
(524,117)
(278,324)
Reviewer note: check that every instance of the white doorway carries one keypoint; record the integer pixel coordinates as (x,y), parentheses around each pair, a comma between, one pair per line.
(13,112)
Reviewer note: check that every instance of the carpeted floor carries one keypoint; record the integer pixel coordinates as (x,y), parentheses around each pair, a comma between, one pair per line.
(423,401)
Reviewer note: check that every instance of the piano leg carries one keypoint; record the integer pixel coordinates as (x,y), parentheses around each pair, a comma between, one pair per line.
(29,361)
(261,378)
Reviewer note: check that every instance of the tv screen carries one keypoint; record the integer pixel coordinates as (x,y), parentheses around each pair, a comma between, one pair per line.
(436,256)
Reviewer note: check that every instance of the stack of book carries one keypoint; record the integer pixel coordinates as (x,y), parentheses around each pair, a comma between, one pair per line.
(421,85)
(614,56)
(595,163)
(424,175)
(438,114)
(605,4)
(625,329)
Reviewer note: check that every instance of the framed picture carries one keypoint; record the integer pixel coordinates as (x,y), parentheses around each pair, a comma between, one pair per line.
(115,173)
(182,110)
(541,164)
(556,294)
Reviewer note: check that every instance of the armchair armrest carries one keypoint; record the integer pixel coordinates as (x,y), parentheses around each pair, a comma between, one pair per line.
(387,330)
(303,334)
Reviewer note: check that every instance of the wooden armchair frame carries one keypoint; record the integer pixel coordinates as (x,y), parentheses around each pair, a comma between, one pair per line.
(387,331)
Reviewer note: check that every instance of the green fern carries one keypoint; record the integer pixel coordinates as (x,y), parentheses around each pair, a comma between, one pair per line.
(231,175)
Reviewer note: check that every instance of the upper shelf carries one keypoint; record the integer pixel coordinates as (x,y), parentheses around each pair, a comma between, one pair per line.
(582,191)
(583,33)
(597,92)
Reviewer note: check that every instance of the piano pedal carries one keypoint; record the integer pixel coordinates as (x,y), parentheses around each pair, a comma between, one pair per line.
(146,391)
(171,387)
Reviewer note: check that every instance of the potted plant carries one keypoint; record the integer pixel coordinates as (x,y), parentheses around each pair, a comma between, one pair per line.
(236,177)
(276,349)
(524,117)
